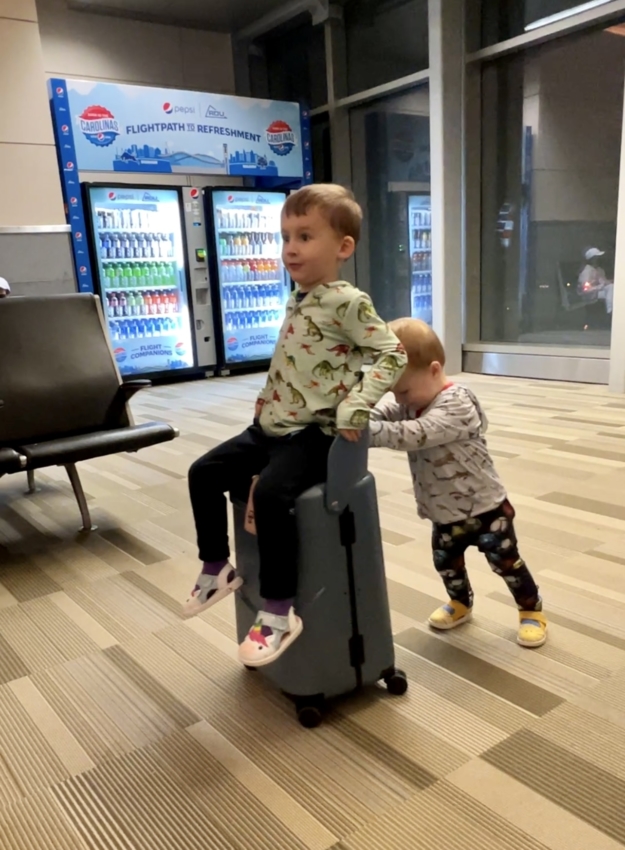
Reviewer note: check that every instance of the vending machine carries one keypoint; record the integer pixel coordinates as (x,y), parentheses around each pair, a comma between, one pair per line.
(251,287)
(140,251)
(420,241)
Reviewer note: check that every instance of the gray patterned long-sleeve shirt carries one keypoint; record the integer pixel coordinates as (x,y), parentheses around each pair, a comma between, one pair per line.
(452,471)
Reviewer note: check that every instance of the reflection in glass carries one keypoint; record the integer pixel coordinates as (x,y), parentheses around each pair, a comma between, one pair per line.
(551,136)
(386,40)
(391,179)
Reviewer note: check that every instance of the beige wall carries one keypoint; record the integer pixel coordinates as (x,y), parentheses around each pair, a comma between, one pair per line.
(85,46)
(30,189)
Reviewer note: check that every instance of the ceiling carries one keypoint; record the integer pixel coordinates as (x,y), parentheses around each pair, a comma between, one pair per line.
(217,15)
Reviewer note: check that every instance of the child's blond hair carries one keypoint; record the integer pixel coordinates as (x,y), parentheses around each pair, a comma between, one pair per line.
(335,203)
(422,345)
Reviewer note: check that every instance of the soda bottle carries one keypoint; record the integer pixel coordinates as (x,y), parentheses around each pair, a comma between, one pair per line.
(173,300)
(147,303)
(121,305)
(130,304)
(139,304)
(135,279)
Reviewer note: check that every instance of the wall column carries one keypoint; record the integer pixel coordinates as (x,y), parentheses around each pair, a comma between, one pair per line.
(447,60)
(29,176)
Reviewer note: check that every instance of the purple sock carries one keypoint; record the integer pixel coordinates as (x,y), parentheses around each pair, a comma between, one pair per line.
(278,607)
(213,568)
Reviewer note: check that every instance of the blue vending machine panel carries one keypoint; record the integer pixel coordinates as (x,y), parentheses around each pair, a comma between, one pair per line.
(140,255)
(420,222)
(253,285)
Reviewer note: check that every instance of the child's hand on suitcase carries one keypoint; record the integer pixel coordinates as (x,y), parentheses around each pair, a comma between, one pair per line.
(350,434)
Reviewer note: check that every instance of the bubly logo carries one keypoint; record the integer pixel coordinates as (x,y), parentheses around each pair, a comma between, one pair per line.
(194,193)
(232,343)
(281,138)
(148,196)
(169,109)
(179,349)
(120,354)
(211,112)
(99,126)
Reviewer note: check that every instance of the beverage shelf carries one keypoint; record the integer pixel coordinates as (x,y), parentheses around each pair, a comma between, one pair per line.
(137,259)
(231,283)
(263,309)
(245,229)
(143,288)
(244,257)
(134,230)
(145,316)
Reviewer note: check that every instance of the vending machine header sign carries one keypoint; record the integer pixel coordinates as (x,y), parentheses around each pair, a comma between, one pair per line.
(130,129)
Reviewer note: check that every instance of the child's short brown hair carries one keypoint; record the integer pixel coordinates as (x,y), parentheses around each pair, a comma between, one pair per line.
(422,345)
(336,203)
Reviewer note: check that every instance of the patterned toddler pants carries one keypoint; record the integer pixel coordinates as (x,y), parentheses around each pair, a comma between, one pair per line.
(493,534)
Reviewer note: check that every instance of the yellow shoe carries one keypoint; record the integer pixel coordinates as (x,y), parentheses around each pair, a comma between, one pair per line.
(450,615)
(532,629)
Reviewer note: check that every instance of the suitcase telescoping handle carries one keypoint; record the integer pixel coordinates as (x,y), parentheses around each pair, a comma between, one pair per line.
(347,465)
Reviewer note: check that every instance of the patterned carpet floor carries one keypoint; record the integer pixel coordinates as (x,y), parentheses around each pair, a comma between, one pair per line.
(123,727)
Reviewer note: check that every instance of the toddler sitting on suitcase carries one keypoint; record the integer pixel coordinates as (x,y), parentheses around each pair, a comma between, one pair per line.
(441,425)
(314,390)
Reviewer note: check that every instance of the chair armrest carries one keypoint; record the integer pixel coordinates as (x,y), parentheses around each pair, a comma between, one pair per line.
(129,388)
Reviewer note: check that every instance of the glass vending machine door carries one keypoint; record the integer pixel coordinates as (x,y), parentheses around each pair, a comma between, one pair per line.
(253,285)
(420,225)
(140,251)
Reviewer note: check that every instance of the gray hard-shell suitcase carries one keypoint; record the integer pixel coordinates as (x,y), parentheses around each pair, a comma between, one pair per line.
(342,598)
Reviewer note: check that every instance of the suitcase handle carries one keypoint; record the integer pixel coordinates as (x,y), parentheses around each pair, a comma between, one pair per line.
(347,465)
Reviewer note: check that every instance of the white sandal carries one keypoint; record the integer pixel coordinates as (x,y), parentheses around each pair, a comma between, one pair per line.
(269,637)
(209,590)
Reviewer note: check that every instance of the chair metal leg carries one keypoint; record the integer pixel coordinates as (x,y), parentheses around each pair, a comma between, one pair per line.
(32,485)
(74,478)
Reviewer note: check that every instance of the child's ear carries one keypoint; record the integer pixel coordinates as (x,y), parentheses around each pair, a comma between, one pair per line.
(435,368)
(348,246)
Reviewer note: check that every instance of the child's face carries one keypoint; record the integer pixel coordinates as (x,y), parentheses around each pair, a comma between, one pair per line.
(418,388)
(312,251)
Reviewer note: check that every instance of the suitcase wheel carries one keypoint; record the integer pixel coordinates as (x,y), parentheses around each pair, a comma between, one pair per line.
(310,710)
(252,669)
(396,682)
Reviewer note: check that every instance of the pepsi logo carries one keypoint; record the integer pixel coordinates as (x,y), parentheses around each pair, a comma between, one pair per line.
(69,166)
(168,108)
(179,349)
(120,354)
(78,235)
(73,201)
(99,126)
(230,199)
(194,193)
(83,270)
(112,196)
(280,138)
(65,129)
(232,343)
(60,90)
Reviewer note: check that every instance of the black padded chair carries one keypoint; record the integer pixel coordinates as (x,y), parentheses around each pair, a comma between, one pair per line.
(62,399)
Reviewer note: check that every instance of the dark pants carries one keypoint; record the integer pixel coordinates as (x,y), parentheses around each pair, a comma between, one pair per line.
(287,467)
(493,534)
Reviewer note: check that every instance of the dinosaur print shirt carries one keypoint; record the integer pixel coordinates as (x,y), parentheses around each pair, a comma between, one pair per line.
(315,376)
(452,471)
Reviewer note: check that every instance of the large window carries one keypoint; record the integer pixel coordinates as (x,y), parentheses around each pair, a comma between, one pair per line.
(391,179)
(551,136)
(502,19)
(386,40)
(289,64)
